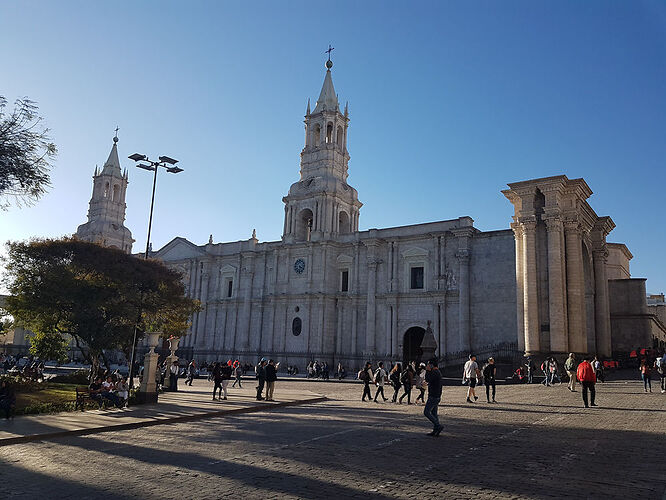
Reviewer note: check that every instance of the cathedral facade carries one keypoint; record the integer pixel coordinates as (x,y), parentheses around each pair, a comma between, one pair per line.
(331,292)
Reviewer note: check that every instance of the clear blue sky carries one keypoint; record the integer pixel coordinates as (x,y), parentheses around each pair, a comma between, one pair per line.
(449,101)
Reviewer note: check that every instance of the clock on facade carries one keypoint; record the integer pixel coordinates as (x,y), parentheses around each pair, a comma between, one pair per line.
(299,266)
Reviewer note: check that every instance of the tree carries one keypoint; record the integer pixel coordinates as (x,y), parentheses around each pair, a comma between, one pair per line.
(97,295)
(26,152)
(48,346)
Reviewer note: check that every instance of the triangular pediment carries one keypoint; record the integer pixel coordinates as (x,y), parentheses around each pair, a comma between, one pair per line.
(178,249)
(415,252)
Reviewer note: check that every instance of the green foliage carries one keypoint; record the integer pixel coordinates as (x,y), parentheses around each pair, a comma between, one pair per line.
(48,346)
(97,295)
(25,154)
(79,377)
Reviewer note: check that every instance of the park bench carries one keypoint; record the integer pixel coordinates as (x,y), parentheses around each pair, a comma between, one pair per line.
(83,395)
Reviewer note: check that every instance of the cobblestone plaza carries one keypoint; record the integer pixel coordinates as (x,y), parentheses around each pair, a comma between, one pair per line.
(537,442)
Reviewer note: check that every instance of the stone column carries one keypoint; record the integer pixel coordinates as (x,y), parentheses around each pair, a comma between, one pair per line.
(246,274)
(575,287)
(520,265)
(530,287)
(601,305)
(556,287)
(463,298)
(371,307)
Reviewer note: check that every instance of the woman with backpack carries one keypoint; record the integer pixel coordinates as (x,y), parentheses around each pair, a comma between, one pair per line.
(646,372)
(365,376)
(407,379)
(394,377)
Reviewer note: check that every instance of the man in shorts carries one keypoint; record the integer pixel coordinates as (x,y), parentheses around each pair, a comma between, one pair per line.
(470,373)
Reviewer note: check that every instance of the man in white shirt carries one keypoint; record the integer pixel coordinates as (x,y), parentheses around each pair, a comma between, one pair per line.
(470,373)
(380,376)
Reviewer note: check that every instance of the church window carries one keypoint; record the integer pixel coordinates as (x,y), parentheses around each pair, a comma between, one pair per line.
(116,190)
(329,133)
(230,287)
(296,326)
(344,281)
(416,278)
(317,134)
(106,190)
(340,138)
(344,223)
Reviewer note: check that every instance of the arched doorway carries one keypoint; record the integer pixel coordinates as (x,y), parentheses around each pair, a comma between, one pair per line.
(411,344)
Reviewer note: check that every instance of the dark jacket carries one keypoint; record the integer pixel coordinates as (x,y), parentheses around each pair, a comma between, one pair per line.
(261,372)
(434,380)
(271,373)
(489,372)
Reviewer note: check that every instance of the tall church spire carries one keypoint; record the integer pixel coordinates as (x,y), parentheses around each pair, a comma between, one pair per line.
(322,205)
(106,215)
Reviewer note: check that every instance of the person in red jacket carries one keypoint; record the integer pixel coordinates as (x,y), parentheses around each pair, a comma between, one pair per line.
(587,378)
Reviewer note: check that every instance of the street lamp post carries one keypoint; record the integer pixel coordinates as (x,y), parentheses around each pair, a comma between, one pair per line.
(147,164)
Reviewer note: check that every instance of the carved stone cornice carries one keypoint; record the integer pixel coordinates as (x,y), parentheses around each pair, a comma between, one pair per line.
(528,224)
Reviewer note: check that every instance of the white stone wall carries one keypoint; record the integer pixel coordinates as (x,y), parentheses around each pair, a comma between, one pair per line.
(268,293)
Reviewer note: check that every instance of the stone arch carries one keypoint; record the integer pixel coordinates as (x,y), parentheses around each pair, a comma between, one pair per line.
(304,225)
(329,132)
(344,223)
(115,195)
(107,186)
(339,138)
(316,134)
(411,344)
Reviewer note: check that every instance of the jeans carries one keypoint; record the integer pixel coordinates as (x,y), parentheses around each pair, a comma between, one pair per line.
(489,384)
(430,411)
(237,381)
(646,381)
(111,397)
(380,388)
(408,393)
(218,385)
(422,393)
(366,391)
(588,386)
(396,390)
(270,387)
(260,388)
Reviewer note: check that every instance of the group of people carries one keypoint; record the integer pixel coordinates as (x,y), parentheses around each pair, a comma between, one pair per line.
(315,369)
(397,378)
(266,372)
(112,388)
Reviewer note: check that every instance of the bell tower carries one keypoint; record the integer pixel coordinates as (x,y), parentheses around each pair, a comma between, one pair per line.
(106,215)
(321,205)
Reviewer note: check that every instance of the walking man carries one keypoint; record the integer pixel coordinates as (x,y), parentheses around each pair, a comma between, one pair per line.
(587,378)
(191,368)
(380,377)
(365,375)
(271,378)
(470,373)
(434,380)
(489,372)
(570,366)
(238,373)
(261,378)
(217,379)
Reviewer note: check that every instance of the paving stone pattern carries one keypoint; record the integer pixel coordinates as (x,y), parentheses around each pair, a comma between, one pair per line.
(537,442)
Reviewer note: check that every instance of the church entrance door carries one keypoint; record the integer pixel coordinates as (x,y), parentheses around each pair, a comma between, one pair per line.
(411,344)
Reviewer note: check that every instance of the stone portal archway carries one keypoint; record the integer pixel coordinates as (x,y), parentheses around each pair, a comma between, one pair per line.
(411,344)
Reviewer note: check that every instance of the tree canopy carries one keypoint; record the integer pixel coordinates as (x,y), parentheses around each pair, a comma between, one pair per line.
(97,295)
(26,152)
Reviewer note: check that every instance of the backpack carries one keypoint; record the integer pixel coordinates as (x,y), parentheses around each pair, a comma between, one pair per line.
(404,378)
(363,375)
